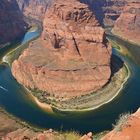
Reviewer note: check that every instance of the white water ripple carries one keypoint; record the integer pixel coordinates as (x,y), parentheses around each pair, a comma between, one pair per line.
(4,88)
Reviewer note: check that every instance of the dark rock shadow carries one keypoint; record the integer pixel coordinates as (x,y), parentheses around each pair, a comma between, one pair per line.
(116,64)
(97,7)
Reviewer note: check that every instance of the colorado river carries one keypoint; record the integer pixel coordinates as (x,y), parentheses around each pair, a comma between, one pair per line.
(16,101)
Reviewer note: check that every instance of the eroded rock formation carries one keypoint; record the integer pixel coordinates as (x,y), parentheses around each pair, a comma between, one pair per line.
(72,56)
(127,25)
(107,11)
(34,9)
(12,25)
(124,14)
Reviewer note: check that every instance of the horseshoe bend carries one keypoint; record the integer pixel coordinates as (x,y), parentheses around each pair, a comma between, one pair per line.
(71,62)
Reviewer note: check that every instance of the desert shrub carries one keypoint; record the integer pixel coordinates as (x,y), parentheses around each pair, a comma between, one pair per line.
(72,136)
(122,121)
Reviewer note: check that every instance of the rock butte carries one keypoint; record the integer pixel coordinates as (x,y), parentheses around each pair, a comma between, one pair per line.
(72,56)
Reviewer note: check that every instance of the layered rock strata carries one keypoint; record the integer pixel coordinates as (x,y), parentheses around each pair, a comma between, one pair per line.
(127,25)
(72,56)
(12,25)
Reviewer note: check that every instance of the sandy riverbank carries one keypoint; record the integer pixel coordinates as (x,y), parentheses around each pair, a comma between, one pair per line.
(44,106)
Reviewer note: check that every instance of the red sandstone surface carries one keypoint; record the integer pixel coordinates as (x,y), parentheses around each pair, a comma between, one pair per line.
(12,25)
(130,131)
(127,25)
(72,56)
(89,136)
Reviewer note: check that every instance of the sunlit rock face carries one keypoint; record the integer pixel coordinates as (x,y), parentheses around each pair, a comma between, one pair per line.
(127,25)
(72,56)
(12,26)
(128,128)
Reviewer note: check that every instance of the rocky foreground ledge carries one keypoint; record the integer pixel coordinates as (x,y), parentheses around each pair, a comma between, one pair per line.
(71,58)
(126,128)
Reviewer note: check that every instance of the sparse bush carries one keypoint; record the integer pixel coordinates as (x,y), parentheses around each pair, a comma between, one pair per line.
(122,121)
(72,136)
(67,136)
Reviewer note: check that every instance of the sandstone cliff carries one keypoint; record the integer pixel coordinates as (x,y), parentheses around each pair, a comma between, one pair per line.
(12,25)
(107,11)
(127,25)
(72,56)
(124,14)
(34,9)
